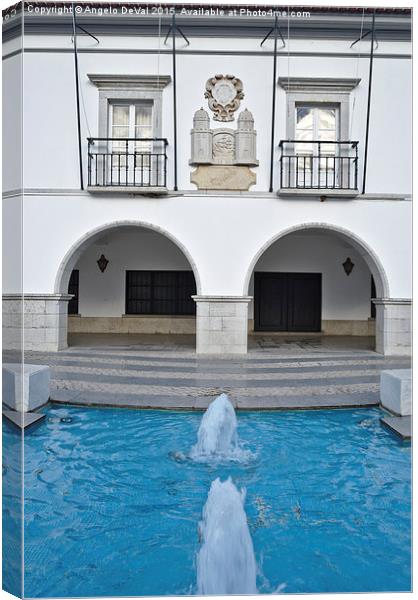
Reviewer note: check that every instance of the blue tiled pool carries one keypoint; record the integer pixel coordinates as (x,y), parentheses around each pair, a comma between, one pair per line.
(112,508)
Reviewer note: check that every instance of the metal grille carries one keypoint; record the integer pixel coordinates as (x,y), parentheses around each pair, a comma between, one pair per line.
(321,165)
(160,293)
(127,162)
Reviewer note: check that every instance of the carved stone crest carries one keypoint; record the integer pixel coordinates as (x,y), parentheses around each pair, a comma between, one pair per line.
(224,94)
(223,146)
(223,156)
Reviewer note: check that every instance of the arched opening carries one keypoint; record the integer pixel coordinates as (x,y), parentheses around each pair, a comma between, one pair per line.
(131,283)
(316,280)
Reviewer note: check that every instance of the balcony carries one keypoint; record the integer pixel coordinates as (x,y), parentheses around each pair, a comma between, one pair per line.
(127,165)
(318,168)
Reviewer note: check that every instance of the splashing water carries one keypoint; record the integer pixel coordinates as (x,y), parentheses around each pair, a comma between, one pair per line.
(217,438)
(226,561)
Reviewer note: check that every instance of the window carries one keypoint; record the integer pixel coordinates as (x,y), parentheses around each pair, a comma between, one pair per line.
(160,293)
(131,121)
(132,161)
(130,108)
(73,289)
(317,123)
(318,110)
(318,163)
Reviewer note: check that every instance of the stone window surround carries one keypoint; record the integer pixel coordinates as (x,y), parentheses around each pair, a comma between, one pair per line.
(130,88)
(318,90)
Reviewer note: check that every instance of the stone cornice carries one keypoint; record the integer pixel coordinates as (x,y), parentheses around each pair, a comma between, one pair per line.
(386,301)
(324,23)
(318,84)
(65,192)
(198,298)
(144,82)
(23,296)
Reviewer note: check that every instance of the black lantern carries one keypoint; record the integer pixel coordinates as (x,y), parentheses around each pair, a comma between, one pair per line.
(102,262)
(348,265)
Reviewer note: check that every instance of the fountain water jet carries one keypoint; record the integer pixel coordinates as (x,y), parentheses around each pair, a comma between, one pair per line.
(217,437)
(226,562)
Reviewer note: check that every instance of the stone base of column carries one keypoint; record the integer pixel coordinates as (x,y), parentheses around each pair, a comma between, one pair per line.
(221,324)
(393,326)
(35,321)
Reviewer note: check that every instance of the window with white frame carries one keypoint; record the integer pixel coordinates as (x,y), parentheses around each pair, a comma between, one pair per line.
(133,120)
(317,152)
(131,126)
(130,149)
(316,122)
(315,125)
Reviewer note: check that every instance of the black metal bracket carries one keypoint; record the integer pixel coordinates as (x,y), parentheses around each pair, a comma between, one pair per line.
(77,26)
(88,33)
(179,31)
(369,95)
(77,94)
(363,36)
(269,34)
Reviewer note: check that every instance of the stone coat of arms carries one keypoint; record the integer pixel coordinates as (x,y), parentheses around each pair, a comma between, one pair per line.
(224,94)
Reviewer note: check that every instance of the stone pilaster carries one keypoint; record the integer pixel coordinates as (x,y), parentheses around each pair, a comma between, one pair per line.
(393,326)
(44,320)
(221,324)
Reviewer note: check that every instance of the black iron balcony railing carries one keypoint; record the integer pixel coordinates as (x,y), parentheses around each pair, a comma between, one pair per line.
(127,162)
(318,165)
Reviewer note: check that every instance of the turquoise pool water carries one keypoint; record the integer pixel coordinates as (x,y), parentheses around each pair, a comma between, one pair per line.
(112,509)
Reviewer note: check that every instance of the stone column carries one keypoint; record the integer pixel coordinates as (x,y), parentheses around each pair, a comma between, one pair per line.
(44,321)
(245,140)
(221,324)
(393,326)
(201,135)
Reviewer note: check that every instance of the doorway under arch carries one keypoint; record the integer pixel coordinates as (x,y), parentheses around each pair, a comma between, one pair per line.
(319,280)
(131,282)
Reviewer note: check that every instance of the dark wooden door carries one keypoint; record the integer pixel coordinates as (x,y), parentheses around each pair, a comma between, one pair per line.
(287,301)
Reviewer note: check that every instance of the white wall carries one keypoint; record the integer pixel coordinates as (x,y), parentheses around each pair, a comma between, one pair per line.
(222,234)
(12,245)
(12,172)
(391,122)
(12,120)
(50,113)
(50,122)
(343,297)
(50,90)
(103,294)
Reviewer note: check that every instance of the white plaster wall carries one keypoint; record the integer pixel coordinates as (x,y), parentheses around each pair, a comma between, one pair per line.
(50,122)
(50,90)
(12,107)
(103,294)
(12,173)
(222,234)
(50,114)
(343,297)
(391,165)
(12,245)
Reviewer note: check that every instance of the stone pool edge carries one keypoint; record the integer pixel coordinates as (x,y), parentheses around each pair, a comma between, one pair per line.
(97,400)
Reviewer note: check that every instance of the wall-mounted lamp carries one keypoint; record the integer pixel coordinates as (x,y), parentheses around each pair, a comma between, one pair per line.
(348,265)
(102,262)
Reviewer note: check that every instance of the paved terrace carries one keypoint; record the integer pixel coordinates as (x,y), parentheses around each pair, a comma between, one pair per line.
(280,372)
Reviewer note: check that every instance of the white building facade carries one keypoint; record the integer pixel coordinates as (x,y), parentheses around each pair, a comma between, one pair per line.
(207,183)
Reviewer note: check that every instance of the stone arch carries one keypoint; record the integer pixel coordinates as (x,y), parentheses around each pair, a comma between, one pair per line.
(369,256)
(71,257)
